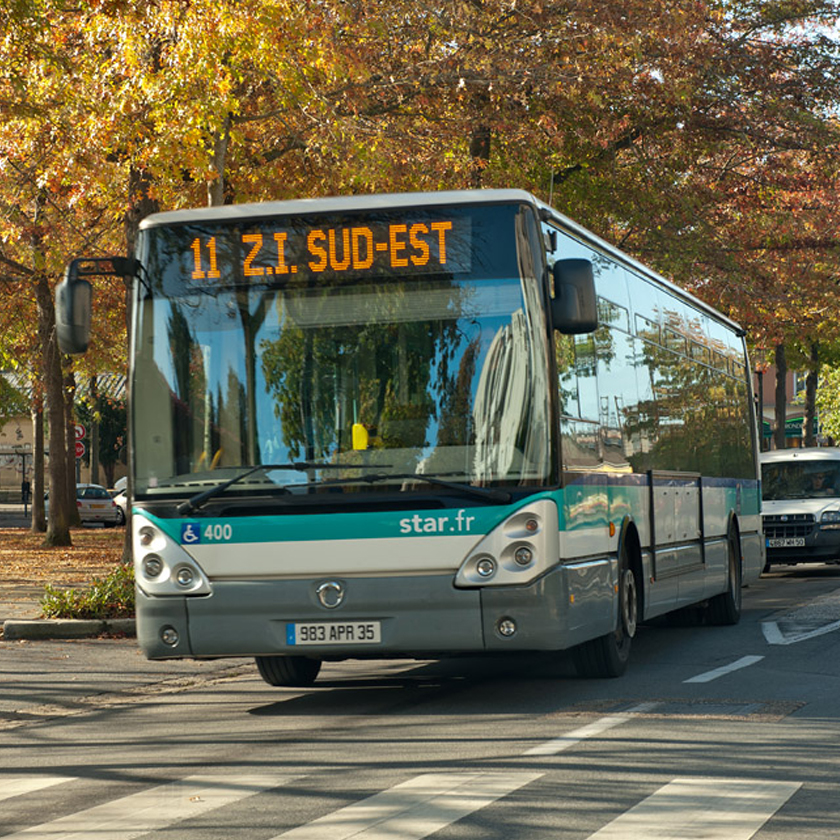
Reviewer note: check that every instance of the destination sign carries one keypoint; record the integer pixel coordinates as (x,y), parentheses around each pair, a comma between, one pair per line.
(266,254)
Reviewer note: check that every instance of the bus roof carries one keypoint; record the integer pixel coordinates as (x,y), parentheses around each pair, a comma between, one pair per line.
(335,204)
(386,201)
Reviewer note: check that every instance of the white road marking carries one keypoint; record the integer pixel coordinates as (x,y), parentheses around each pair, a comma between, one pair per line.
(413,809)
(20,785)
(564,742)
(714,809)
(774,635)
(152,809)
(743,662)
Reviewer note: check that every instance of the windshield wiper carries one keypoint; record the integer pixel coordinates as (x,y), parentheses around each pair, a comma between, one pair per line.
(195,502)
(485,494)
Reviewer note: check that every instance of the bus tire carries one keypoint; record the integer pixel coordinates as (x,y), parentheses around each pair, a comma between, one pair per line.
(294,671)
(725,609)
(608,655)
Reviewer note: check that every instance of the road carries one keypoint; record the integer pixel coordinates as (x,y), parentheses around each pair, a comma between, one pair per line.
(719,733)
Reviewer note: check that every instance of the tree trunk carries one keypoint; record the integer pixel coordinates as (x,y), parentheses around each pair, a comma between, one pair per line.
(38,520)
(73,462)
(811,378)
(781,396)
(216,187)
(58,526)
(480,138)
(94,430)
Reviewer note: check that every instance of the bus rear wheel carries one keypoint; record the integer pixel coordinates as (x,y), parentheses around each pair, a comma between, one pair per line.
(725,608)
(294,671)
(608,655)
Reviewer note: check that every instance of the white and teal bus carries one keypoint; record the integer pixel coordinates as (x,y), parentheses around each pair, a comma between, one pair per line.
(420,426)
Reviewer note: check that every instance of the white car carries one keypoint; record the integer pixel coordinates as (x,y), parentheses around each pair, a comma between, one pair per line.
(121,501)
(800,507)
(95,505)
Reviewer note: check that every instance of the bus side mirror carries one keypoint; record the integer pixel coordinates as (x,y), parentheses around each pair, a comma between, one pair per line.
(72,311)
(574,307)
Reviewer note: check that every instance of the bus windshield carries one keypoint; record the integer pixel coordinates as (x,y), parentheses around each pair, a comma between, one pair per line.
(404,343)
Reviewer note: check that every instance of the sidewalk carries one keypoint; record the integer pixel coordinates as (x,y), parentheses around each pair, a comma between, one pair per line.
(20,601)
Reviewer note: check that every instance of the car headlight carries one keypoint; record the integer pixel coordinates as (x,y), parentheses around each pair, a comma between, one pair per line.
(830,519)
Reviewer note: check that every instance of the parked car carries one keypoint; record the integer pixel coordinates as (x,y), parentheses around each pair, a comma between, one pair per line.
(121,501)
(95,505)
(800,506)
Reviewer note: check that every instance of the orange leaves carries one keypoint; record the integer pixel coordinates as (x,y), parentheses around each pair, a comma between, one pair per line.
(25,559)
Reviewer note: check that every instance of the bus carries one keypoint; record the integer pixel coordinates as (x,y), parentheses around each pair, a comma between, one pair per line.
(420,426)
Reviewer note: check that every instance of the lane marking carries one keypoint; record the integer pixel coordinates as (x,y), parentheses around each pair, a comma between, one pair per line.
(152,809)
(568,740)
(743,662)
(414,809)
(20,785)
(774,636)
(714,809)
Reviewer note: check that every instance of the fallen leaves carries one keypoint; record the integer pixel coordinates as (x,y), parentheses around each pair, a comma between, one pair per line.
(25,560)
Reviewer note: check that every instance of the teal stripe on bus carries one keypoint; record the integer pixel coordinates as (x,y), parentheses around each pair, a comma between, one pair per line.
(437,522)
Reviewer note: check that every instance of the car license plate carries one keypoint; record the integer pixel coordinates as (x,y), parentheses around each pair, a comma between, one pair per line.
(99,507)
(334,633)
(788,542)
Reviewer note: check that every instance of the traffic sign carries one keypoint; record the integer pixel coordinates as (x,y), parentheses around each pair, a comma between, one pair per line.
(80,431)
(80,449)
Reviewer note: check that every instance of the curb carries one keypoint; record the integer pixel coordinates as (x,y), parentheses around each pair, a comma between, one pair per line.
(65,628)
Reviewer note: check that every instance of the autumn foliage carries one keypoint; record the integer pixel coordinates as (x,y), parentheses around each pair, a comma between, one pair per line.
(700,136)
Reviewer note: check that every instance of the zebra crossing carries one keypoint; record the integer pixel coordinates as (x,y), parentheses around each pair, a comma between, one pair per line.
(718,809)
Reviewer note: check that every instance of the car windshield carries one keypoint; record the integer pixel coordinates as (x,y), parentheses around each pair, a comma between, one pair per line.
(92,493)
(431,372)
(800,479)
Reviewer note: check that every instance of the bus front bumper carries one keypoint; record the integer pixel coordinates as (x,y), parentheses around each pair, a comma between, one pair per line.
(388,617)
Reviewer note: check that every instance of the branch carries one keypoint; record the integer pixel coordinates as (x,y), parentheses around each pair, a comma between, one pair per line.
(15,267)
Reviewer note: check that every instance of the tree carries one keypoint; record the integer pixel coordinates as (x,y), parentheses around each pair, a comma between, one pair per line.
(108,413)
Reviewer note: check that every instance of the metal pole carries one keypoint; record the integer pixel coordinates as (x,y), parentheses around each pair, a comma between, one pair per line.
(760,410)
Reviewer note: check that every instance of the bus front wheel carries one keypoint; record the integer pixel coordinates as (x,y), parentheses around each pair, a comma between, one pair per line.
(608,655)
(294,671)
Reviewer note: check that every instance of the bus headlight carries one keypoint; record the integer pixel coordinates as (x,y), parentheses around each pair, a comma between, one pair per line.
(162,566)
(486,567)
(146,535)
(184,576)
(152,566)
(523,555)
(519,549)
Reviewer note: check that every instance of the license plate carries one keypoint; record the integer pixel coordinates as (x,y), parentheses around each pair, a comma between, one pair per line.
(99,507)
(788,542)
(334,633)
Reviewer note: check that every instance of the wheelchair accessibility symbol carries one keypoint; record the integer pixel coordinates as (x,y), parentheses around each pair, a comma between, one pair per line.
(190,533)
